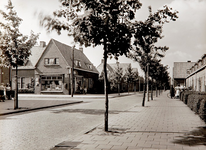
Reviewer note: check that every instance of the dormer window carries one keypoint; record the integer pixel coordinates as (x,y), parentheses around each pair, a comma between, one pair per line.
(77,63)
(51,61)
(89,66)
(188,71)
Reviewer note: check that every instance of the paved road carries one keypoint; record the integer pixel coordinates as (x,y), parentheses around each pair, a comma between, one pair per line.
(41,130)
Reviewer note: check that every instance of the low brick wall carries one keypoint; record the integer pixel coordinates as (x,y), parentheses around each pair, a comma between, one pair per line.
(196,101)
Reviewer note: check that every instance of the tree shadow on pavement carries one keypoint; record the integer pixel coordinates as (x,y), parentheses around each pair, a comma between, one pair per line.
(86,111)
(193,138)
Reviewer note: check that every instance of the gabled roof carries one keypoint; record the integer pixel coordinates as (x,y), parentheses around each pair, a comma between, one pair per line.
(111,67)
(36,53)
(100,68)
(124,66)
(66,52)
(180,69)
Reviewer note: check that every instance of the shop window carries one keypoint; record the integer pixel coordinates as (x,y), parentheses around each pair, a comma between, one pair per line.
(52,83)
(90,83)
(19,81)
(23,83)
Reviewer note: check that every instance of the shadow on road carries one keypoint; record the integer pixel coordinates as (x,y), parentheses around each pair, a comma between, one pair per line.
(86,111)
(193,138)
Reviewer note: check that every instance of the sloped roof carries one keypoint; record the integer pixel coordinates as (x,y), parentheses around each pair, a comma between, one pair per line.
(124,66)
(100,68)
(78,55)
(112,67)
(180,69)
(36,53)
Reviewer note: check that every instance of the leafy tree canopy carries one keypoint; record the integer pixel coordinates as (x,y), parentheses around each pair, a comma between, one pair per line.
(96,22)
(14,45)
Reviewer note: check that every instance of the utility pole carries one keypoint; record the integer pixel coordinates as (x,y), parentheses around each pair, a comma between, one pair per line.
(16,105)
(72,73)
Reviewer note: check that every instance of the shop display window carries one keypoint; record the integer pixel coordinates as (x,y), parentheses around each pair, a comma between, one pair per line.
(52,83)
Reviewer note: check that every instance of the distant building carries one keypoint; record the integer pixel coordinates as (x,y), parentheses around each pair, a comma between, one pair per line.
(111,69)
(180,72)
(196,78)
(48,70)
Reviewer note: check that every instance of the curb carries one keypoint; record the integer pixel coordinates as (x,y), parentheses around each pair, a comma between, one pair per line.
(38,108)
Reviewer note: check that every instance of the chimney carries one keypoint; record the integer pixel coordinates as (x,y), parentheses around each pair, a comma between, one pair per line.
(117,63)
(102,61)
(81,48)
(42,44)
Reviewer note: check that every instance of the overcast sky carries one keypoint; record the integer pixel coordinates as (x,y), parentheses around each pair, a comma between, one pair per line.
(186,37)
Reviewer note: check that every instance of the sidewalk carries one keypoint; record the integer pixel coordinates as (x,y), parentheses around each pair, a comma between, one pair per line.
(163,124)
(30,102)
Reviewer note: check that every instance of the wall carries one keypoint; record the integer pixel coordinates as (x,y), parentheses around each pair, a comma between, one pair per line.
(26,73)
(197,81)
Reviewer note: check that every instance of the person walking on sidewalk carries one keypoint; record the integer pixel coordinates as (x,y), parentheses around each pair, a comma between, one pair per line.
(172,92)
(3,92)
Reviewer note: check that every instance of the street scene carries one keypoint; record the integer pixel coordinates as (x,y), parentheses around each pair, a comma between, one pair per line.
(102,75)
(164,124)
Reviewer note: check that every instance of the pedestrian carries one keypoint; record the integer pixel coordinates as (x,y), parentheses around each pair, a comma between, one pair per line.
(172,92)
(3,92)
(85,90)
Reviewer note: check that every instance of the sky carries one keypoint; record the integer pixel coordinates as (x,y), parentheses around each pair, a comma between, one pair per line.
(186,37)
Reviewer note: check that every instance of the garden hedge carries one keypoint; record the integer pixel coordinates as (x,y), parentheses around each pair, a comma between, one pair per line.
(196,101)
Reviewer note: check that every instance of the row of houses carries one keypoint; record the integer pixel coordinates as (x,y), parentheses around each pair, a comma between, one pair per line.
(196,78)
(48,70)
(191,74)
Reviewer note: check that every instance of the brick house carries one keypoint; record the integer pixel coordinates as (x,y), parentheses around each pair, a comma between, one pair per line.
(50,73)
(26,73)
(180,72)
(196,78)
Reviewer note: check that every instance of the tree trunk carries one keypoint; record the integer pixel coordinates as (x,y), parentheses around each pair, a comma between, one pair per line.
(143,101)
(148,83)
(119,89)
(16,90)
(156,91)
(128,87)
(159,88)
(152,90)
(106,92)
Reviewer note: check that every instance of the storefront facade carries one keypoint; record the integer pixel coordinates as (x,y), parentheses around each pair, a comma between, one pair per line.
(53,70)
(48,70)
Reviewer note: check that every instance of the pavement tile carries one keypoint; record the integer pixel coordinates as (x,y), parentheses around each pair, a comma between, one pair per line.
(116,143)
(130,144)
(170,147)
(159,146)
(119,147)
(87,146)
(103,146)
